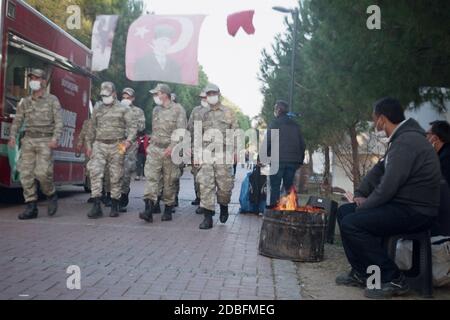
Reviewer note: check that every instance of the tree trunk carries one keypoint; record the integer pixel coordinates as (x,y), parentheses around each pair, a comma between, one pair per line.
(355,157)
(310,159)
(326,173)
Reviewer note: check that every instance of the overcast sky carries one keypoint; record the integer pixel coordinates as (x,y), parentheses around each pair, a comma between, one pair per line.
(231,63)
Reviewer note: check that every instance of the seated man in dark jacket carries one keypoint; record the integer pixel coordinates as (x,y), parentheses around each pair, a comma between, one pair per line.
(439,137)
(291,151)
(399,195)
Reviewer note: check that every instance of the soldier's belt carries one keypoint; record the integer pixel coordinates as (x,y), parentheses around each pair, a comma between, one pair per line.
(38,135)
(109,141)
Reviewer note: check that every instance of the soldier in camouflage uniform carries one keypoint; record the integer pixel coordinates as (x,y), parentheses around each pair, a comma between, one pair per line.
(215,177)
(81,143)
(166,118)
(196,117)
(112,133)
(128,96)
(41,116)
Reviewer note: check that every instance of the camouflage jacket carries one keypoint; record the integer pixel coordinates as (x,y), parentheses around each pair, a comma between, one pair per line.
(113,122)
(39,116)
(139,117)
(165,120)
(196,115)
(220,118)
(82,137)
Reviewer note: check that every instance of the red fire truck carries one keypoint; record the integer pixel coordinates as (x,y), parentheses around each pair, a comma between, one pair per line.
(30,40)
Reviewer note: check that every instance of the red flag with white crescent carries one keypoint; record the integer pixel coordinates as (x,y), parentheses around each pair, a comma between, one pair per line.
(164,48)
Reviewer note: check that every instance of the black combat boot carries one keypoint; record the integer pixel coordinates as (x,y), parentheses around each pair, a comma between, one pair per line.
(208,221)
(107,200)
(157,207)
(52,204)
(196,202)
(124,199)
(96,210)
(167,215)
(31,212)
(90,200)
(123,202)
(223,213)
(147,214)
(114,213)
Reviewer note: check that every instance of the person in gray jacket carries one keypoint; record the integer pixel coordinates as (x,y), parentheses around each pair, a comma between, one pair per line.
(399,195)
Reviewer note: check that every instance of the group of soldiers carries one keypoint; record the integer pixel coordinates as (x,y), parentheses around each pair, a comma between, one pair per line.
(109,140)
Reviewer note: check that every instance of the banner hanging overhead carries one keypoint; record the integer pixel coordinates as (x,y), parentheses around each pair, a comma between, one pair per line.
(102,40)
(164,48)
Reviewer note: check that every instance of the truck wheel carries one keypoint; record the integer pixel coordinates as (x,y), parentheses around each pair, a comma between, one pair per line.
(14,195)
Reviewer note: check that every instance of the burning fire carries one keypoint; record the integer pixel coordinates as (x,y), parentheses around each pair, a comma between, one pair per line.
(290,203)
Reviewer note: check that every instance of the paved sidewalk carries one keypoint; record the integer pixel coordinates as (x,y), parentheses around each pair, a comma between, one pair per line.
(126,258)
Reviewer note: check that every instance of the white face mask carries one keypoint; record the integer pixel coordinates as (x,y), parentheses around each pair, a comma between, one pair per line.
(125,102)
(35,85)
(204,103)
(108,100)
(380,134)
(157,100)
(212,100)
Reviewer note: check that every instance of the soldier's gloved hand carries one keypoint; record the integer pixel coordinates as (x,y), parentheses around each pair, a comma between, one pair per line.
(53,144)
(127,144)
(88,152)
(12,142)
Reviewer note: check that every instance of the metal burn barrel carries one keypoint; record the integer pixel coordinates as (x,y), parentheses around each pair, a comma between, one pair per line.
(293,235)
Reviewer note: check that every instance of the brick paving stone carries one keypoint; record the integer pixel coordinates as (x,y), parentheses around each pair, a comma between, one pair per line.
(126,258)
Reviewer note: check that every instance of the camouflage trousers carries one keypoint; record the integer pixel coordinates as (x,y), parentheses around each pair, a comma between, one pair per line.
(215,179)
(194,171)
(129,167)
(106,158)
(160,171)
(36,163)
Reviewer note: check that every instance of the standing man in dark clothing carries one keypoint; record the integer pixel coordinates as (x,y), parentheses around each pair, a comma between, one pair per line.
(399,195)
(291,150)
(439,137)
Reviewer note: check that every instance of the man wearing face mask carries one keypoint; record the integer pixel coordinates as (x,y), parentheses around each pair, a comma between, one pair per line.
(439,137)
(130,166)
(215,177)
(399,195)
(111,134)
(167,117)
(40,113)
(196,117)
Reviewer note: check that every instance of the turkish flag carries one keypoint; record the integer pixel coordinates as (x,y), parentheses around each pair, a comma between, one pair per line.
(242,19)
(164,48)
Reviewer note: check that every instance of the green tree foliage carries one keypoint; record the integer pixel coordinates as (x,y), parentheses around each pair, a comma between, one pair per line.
(342,67)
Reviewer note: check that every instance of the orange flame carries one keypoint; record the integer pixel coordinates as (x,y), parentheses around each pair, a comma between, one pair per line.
(290,203)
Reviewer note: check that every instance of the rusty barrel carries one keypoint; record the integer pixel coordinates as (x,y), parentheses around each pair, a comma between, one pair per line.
(293,235)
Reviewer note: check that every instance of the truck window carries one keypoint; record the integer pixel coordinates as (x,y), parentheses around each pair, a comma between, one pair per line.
(19,64)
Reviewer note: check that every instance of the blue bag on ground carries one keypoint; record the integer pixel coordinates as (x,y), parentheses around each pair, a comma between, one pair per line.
(253,193)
